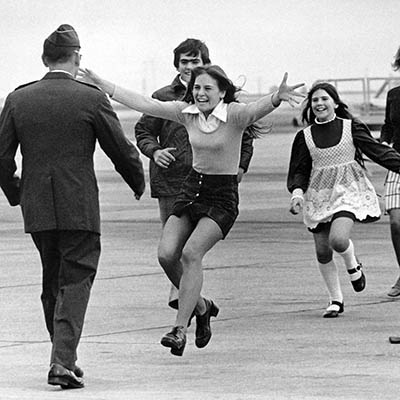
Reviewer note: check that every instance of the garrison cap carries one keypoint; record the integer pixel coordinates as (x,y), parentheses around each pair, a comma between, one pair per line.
(64,36)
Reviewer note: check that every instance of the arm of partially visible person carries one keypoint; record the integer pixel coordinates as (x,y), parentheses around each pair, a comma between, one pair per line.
(387,127)
(9,181)
(246,153)
(147,130)
(299,172)
(147,105)
(118,147)
(380,153)
(147,133)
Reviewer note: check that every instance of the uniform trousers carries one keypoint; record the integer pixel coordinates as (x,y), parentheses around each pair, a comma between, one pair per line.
(69,262)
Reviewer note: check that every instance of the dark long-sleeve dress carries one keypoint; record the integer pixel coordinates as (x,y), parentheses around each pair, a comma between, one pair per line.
(324,165)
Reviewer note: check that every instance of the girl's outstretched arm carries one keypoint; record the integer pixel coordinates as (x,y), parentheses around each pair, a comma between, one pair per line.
(144,104)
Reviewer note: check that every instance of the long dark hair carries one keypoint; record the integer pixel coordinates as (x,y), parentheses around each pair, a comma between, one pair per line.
(341,111)
(217,73)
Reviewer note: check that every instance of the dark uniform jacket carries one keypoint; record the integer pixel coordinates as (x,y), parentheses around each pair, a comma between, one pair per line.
(156,133)
(56,122)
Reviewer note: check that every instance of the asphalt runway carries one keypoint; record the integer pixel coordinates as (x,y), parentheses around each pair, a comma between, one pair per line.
(269,340)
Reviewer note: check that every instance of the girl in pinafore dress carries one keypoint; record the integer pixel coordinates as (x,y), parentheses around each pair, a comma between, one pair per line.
(328,181)
(207,205)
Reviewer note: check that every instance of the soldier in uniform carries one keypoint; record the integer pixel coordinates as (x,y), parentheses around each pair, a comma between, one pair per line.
(57,121)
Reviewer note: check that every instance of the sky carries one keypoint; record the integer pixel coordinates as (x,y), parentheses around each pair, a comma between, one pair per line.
(256,41)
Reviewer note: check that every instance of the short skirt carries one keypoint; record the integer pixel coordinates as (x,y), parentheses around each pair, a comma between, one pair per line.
(213,196)
(392,191)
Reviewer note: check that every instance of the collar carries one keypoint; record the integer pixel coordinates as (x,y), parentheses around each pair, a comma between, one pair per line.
(177,84)
(325,122)
(58,75)
(220,111)
(61,70)
(183,82)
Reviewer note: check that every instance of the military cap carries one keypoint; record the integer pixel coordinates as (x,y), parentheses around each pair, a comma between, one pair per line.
(64,36)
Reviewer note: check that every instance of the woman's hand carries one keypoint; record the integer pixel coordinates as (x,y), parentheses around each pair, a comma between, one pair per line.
(287,93)
(87,75)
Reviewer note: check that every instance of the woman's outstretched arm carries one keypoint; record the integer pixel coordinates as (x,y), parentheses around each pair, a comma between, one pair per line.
(144,104)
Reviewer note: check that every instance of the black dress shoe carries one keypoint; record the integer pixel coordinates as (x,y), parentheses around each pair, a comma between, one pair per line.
(176,340)
(64,377)
(333,312)
(358,284)
(78,371)
(203,328)
(394,339)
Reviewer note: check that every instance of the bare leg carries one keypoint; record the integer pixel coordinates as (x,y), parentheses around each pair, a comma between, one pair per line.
(339,236)
(174,237)
(206,234)
(166,205)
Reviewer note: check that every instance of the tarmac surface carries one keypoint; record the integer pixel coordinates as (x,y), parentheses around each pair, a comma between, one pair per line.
(269,339)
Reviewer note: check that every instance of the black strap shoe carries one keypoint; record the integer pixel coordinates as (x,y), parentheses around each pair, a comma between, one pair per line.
(203,328)
(176,340)
(334,309)
(64,377)
(360,283)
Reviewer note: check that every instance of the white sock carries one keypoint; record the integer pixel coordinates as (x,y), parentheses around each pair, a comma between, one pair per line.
(350,261)
(330,275)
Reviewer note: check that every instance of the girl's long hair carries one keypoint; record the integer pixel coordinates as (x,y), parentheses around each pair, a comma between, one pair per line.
(255,130)
(341,111)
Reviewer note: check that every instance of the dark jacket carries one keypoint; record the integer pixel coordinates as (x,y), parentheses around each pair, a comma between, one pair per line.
(390,131)
(156,133)
(56,122)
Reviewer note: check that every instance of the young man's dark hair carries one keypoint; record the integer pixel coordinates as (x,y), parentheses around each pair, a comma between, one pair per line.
(191,47)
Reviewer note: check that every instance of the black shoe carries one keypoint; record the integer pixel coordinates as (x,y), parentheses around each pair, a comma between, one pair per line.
(64,377)
(394,339)
(176,340)
(358,284)
(333,312)
(78,371)
(395,290)
(203,328)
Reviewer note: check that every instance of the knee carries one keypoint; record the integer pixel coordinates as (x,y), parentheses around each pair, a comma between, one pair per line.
(167,257)
(190,257)
(339,244)
(324,258)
